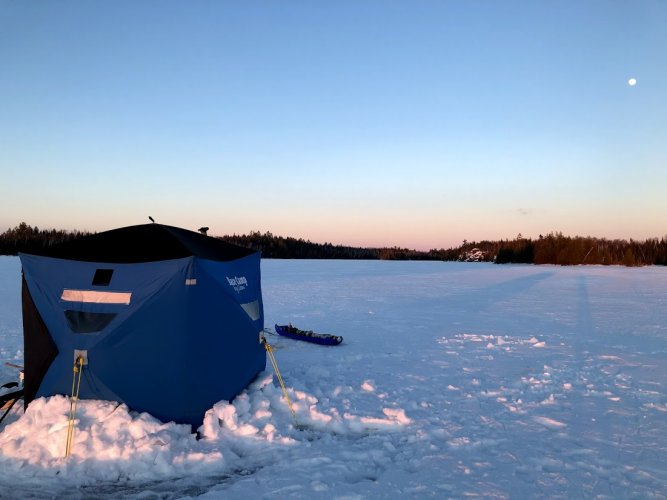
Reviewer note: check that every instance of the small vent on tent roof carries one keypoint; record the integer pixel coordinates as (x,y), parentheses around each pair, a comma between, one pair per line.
(102,277)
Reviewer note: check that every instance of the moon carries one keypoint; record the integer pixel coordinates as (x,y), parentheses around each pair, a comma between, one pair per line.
(632,82)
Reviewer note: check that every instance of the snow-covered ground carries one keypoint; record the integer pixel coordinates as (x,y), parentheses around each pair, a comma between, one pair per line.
(454,380)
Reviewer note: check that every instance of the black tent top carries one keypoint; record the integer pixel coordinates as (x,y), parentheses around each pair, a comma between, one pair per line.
(145,243)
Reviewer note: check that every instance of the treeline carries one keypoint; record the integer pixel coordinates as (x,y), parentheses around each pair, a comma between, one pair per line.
(25,238)
(279,247)
(554,248)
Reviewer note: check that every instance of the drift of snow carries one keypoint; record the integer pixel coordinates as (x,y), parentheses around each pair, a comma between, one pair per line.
(454,379)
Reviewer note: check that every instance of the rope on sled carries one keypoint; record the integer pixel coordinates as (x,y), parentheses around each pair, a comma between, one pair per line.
(77,372)
(272,357)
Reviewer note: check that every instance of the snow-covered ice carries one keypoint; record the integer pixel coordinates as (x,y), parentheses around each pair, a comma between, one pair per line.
(454,380)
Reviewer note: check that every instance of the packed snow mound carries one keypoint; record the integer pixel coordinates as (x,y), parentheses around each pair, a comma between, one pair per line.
(252,416)
(112,443)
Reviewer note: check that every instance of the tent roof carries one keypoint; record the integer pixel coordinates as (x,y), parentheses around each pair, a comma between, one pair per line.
(145,243)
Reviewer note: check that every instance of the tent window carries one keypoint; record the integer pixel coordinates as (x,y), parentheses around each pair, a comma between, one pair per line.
(252,309)
(102,277)
(88,322)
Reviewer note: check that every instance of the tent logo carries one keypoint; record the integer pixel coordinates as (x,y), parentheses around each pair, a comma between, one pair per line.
(238,283)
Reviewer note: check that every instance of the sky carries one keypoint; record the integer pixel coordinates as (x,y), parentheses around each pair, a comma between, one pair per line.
(370,123)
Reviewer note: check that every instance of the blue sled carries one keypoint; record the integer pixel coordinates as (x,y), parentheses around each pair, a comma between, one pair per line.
(292,332)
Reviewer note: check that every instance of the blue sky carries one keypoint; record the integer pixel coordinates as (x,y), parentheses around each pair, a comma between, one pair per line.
(409,123)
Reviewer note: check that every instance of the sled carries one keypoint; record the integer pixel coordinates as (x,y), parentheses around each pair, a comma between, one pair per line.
(292,332)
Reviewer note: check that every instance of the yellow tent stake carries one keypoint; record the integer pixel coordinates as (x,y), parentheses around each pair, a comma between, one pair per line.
(77,369)
(272,357)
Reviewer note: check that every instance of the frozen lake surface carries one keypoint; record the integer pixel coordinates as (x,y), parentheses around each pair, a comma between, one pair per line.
(453,380)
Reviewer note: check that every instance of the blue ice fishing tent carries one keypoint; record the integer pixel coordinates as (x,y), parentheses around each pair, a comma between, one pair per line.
(167,320)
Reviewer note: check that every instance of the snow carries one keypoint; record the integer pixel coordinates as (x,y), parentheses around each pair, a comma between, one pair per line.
(453,379)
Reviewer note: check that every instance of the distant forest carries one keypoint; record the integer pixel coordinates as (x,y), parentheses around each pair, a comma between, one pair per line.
(24,238)
(554,248)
